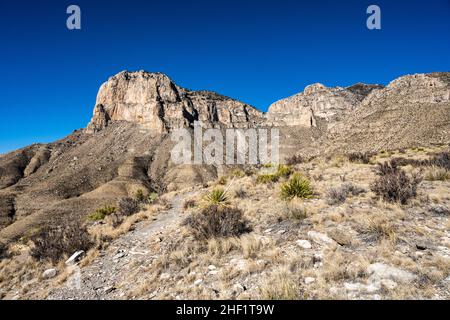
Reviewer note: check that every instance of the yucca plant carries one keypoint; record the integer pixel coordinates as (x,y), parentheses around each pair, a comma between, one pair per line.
(217,196)
(297,187)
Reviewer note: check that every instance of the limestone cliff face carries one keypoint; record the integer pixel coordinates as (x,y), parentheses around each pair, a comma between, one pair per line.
(317,102)
(156,102)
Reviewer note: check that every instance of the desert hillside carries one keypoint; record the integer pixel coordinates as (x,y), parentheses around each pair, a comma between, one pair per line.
(358,208)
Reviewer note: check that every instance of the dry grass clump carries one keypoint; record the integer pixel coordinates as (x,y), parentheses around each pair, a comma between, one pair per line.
(240,193)
(267,178)
(59,239)
(435,173)
(280,285)
(297,187)
(394,185)
(217,196)
(217,221)
(339,195)
(296,211)
(378,228)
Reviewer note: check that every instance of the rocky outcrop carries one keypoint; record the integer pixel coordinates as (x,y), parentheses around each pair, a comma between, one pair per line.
(157,103)
(317,102)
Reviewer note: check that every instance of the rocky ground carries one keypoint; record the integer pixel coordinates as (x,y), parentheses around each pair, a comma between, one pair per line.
(318,248)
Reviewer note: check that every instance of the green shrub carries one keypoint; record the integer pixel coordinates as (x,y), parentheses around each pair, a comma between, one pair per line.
(297,187)
(217,196)
(152,197)
(217,222)
(101,213)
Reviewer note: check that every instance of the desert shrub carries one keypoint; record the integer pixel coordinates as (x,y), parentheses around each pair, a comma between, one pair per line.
(339,195)
(295,159)
(267,178)
(60,238)
(101,213)
(217,222)
(128,206)
(188,204)
(394,185)
(217,196)
(3,250)
(284,171)
(139,195)
(437,174)
(360,157)
(441,160)
(297,187)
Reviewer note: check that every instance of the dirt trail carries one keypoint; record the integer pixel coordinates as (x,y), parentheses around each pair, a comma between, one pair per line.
(98,280)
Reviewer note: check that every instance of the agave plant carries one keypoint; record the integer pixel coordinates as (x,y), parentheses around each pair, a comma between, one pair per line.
(297,187)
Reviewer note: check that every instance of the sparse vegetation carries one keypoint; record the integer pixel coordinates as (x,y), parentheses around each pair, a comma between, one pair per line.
(189,204)
(217,197)
(435,173)
(267,178)
(139,195)
(240,193)
(339,195)
(152,198)
(102,213)
(59,239)
(360,157)
(296,212)
(394,185)
(297,187)
(217,222)
(295,159)
(222,180)
(284,171)
(281,285)
(3,250)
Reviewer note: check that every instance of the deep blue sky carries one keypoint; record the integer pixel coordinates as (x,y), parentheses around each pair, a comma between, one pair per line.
(255,51)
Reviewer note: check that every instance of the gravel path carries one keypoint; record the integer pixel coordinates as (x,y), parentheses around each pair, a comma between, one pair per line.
(98,280)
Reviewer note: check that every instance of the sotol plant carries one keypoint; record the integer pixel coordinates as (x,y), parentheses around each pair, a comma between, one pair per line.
(297,187)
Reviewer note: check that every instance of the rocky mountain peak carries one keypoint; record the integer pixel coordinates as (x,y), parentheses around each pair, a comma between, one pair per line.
(157,103)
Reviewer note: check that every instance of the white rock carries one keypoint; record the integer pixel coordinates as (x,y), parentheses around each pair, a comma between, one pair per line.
(197,282)
(379,271)
(213,272)
(305,244)
(320,238)
(212,267)
(50,273)
(77,256)
(164,276)
(309,280)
